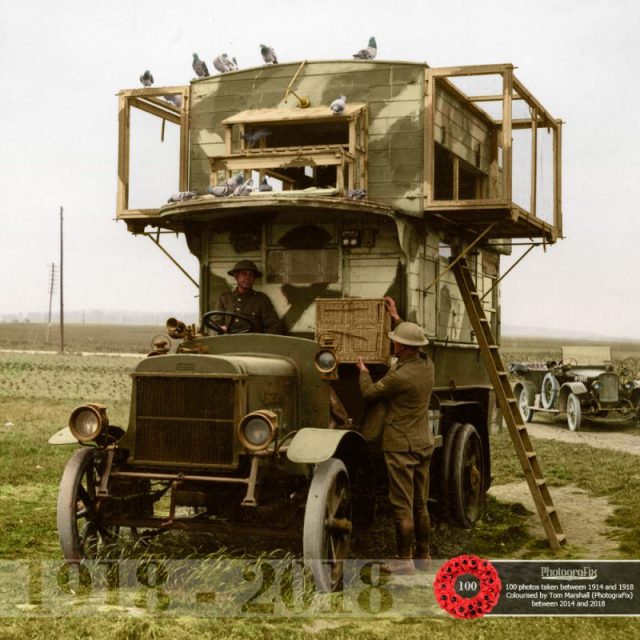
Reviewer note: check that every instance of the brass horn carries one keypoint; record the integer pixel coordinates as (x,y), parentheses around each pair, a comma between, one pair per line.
(176,328)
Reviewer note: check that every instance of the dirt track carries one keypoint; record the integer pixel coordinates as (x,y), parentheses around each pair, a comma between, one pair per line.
(618,438)
(583,516)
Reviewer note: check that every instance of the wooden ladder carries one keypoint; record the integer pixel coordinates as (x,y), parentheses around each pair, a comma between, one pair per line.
(508,403)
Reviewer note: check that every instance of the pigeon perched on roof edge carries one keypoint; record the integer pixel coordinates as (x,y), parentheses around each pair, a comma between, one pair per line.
(200,67)
(369,53)
(268,54)
(146,78)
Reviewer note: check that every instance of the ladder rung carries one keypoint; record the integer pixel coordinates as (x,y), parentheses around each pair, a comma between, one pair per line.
(560,537)
(541,482)
(530,454)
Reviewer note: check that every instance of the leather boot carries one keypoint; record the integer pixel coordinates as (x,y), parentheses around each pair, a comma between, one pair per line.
(422,558)
(402,565)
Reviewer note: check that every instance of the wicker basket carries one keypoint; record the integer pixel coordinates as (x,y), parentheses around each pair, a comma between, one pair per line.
(354,327)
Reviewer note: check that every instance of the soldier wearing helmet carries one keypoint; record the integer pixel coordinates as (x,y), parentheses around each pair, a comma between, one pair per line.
(407,440)
(246,301)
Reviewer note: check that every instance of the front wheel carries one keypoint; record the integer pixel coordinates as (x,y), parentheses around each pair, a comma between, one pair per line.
(80,529)
(327,524)
(525,402)
(574,412)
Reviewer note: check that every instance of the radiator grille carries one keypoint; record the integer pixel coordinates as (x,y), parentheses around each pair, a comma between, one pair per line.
(184,420)
(608,387)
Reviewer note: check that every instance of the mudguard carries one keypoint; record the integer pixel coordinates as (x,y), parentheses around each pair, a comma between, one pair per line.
(577,388)
(311,445)
(64,436)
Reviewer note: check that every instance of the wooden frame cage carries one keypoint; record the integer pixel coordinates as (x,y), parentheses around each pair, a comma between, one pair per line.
(151,100)
(483,183)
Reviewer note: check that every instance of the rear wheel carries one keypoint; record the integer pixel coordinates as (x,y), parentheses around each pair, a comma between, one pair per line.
(467,476)
(327,524)
(81,532)
(549,391)
(574,412)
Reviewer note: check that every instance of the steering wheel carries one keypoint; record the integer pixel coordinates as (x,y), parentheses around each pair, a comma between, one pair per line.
(208,321)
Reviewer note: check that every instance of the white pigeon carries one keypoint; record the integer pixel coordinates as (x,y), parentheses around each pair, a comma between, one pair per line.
(146,78)
(369,53)
(268,54)
(338,105)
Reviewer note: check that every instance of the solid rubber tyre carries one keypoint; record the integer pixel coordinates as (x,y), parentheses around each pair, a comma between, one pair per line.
(327,524)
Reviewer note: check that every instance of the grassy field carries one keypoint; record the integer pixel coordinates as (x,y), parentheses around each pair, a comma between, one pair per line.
(37,392)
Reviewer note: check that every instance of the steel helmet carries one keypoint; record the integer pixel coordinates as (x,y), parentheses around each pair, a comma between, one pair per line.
(410,334)
(245,265)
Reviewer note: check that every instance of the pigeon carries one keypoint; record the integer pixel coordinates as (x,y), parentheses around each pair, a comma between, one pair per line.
(357,194)
(264,185)
(200,67)
(268,54)
(338,105)
(244,189)
(223,64)
(369,53)
(146,78)
(220,191)
(235,181)
(181,196)
(252,137)
(175,100)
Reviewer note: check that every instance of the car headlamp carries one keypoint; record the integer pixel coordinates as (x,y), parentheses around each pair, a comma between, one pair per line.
(326,361)
(628,386)
(596,387)
(88,421)
(257,430)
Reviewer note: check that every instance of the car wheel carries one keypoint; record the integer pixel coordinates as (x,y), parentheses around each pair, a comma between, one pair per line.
(446,466)
(81,532)
(327,524)
(549,391)
(467,476)
(574,412)
(525,401)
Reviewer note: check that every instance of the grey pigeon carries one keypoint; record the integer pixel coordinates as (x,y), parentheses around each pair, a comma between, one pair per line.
(220,191)
(223,64)
(146,78)
(338,105)
(175,100)
(244,189)
(357,194)
(369,53)
(264,185)
(252,137)
(235,181)
(200,67)
(268,54)
(181,196)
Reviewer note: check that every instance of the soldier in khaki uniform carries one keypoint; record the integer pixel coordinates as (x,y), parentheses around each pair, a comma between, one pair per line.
(407,442)
(248,302)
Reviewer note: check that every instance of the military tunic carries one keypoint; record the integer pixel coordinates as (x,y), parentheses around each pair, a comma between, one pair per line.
(407,438)
(255,305)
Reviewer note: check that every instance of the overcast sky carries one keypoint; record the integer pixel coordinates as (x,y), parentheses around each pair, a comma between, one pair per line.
(61,64)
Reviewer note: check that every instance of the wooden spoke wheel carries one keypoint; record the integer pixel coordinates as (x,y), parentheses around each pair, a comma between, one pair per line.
(327,524)
(574,412)
(81,532)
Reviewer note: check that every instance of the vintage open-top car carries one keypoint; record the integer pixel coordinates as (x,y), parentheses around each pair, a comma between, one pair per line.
(583,385)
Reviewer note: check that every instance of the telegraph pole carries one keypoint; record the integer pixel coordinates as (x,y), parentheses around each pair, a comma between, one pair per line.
(52,286)
(61,285)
